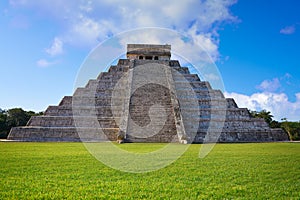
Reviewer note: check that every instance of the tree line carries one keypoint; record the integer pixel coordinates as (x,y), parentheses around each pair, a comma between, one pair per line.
(291,128)
(12,118)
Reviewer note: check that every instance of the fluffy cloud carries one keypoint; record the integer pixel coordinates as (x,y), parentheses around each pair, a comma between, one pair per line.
(277,103)
(211,77)
(269,85)
(45,63)
(88,22)
(56,47)
(288,30)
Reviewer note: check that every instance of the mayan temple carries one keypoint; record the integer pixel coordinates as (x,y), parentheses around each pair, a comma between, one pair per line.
(147,98)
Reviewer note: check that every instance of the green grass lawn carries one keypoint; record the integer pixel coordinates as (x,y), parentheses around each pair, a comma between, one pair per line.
(230,171)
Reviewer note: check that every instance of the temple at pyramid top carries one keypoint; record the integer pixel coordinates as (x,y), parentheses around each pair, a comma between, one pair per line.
(148,52)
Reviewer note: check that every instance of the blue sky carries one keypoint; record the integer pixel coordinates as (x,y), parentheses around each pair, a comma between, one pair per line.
(255,45)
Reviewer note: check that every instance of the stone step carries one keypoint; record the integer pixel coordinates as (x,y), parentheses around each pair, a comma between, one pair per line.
(198,91)
(193,84)
(182,70)
(189,96)
(29,133)
(66,101)
(241,126)
(83,110)
(229,111)
(190,88)
(200,94)
(185,77)
(243,136)
(163,136)
(110,76)
(100,101)
(69,121)
(59,111)
(92,84)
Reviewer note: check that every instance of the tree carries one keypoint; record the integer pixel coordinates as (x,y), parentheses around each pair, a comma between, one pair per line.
(17,117)
(275,124)
(292,128)
(3,125)
(266,115)
(14,117)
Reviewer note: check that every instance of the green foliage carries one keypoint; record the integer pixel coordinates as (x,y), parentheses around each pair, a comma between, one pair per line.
(14,117)
(3,125)
(266,115)
(275,124)
(292,128)
(230,171)
(17,117)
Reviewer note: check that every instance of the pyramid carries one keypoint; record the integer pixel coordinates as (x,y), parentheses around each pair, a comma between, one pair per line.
(147,98)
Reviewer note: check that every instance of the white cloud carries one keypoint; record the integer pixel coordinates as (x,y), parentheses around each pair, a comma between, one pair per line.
(277,103)
(85,30)
(86,7)
(18,2)
(88,22)
(288,30)
(56,47)
(269,85)
(45,63)
(211,77)
(206,41)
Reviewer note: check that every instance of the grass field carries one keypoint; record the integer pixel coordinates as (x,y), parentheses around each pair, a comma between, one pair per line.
(230,171)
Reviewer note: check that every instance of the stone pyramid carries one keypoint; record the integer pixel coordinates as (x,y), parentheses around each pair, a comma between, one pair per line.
(147,98)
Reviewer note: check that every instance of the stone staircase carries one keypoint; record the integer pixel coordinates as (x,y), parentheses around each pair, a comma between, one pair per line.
(151,112)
